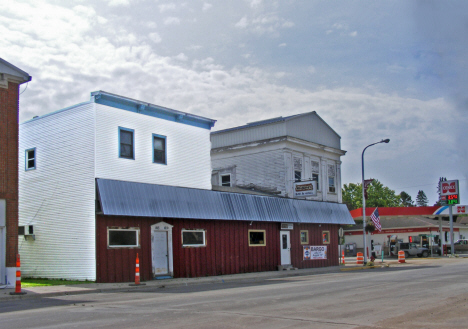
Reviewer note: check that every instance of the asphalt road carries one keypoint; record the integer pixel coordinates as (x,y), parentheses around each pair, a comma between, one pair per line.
(430,296)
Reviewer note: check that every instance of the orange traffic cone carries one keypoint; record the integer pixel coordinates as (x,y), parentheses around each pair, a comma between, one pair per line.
(18,278)
(137,273)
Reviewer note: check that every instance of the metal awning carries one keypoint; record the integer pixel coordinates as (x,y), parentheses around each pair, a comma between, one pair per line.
(121,198)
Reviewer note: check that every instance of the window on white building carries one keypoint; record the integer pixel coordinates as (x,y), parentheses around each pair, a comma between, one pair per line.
(30,158)
(297,176)
(226,180)
(193,238)
(331,179)
(126,143)
(123,237)
(297,169)
(159,149)
(315,172)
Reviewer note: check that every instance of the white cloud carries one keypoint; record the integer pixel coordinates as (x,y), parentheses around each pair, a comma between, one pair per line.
(242,23)
(116,3)
(311,70)
(282,45)
(264,24)
(353,34)
(206,6)
(181,57)
(171,21)
(167,7)
(255,3)
(155,37)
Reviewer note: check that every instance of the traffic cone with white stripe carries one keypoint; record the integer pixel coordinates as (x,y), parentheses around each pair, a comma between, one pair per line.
(137,273)
(18,278)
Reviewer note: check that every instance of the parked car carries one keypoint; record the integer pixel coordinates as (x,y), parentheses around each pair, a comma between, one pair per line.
(412,249)
(461,246)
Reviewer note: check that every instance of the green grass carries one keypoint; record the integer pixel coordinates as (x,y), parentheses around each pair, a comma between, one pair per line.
(33,282)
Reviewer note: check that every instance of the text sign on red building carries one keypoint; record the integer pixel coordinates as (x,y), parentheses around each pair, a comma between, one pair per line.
(449,192)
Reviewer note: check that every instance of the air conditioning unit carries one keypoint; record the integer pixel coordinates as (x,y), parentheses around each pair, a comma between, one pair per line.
(27,231)
(287,226)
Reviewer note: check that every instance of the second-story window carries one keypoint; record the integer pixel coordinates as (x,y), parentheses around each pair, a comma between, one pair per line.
(315,172)
(297,169)
(126,143)
(331,179)
(159,149)
(30,159)
(226,180)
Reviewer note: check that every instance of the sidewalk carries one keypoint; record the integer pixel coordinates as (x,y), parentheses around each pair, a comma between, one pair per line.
(87,288)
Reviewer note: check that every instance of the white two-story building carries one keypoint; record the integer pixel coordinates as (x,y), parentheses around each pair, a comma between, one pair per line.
(296,157)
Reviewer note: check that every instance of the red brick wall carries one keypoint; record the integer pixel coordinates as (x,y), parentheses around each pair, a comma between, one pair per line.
(9,166)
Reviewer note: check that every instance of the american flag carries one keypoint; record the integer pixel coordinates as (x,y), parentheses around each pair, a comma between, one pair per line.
(376,219)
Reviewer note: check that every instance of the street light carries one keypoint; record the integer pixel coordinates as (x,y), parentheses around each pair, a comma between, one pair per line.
(364,200)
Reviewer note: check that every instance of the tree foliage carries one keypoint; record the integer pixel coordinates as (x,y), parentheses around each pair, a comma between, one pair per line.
(421,199)
(406,200)
(378,196)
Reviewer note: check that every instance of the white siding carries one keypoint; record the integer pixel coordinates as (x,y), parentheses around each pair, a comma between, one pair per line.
(263,169)
(188,150)
(58,196)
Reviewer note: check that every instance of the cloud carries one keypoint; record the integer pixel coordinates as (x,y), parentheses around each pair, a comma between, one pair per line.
(171,21)
(167,7)
(206,6)
(264,24)
(116,3)
(281,45)
(155,37)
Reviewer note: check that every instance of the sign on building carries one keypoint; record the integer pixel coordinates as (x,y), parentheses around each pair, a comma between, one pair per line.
(305,188)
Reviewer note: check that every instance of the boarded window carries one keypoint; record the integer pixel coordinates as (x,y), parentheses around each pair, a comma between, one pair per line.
(193,238)
(304,237)
(257,238)
(120,237)
(159,149)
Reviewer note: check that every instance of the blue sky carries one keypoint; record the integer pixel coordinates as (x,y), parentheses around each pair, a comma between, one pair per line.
(371,69)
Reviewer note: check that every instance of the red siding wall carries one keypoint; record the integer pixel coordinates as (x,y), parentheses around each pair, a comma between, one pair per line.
(9,166)
(227,249)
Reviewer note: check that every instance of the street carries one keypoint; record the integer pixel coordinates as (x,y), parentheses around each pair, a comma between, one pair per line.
(429,295)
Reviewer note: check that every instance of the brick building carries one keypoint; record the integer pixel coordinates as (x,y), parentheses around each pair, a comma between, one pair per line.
(11,78)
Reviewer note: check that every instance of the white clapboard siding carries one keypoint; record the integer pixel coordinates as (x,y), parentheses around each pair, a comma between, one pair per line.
(264,169)
(188,150)
(58,197)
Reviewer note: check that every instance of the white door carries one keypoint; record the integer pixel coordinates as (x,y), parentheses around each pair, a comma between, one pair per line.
(285,244)
(159,253)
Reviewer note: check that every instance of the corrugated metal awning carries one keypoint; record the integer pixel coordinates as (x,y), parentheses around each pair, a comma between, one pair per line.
(121,198)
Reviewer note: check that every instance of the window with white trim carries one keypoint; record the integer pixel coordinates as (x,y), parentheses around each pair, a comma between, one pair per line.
(123,237)
(30,159)
(226,180)
(193,238)
(331,179)
(315,172)
(159,149)
(297,169)
(126,143)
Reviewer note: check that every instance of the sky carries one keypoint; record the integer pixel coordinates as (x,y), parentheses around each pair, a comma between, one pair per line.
(371,69)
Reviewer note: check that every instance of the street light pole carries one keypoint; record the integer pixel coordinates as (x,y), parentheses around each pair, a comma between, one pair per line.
(364,199)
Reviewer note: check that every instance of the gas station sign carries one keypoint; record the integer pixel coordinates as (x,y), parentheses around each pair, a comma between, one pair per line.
(449,192)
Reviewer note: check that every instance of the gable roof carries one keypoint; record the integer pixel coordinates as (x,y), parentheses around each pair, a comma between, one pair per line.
(121,198)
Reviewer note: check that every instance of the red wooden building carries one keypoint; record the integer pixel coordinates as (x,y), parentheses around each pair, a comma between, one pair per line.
(183,232)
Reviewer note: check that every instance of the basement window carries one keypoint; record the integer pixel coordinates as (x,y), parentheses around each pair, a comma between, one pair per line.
(193,238)
(304,237)
(257,238)
(30,157)
(123,237)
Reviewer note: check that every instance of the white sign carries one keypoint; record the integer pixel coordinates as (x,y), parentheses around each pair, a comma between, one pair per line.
(315,252)
(449,187)
(305,188)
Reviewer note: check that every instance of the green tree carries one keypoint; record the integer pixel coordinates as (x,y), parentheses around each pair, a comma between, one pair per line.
(406,200)
(378,196)
(441,179)
(421,199)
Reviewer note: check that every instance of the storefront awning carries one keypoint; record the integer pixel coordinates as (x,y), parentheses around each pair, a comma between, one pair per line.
(121,198)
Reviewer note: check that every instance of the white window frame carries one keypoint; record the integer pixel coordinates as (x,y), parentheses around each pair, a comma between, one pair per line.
(193,245)
(26,158)
(133,229)
(221,179)
(330,186)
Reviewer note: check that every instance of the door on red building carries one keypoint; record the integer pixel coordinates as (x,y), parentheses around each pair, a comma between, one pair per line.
(161,249)
(285,244)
